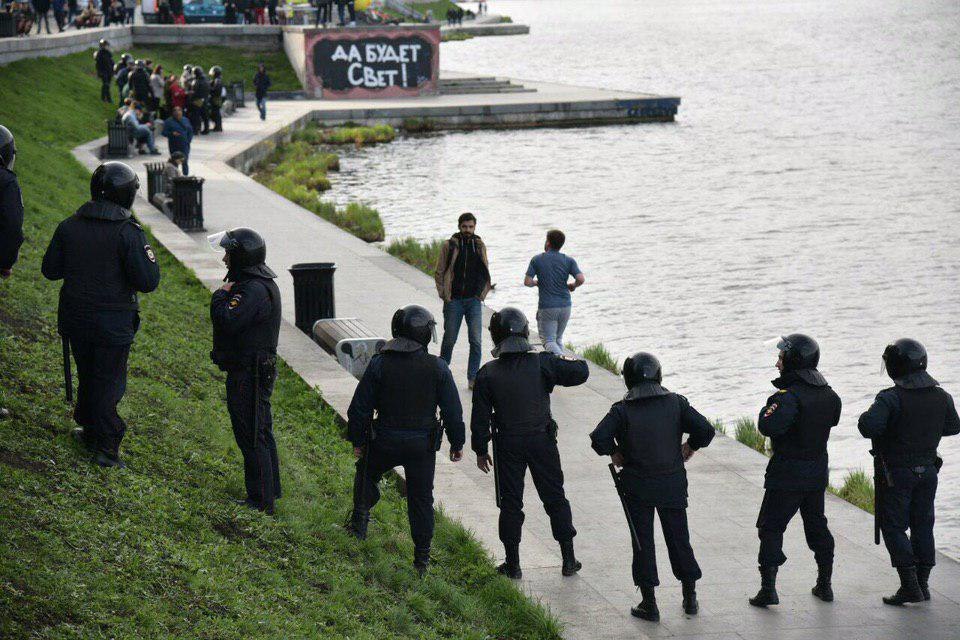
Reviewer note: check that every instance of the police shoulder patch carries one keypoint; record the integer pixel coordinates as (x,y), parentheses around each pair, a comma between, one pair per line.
(235,301)
(151,256)
(770,410)
(568,358)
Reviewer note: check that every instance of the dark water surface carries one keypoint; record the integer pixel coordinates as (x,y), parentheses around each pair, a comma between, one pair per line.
(809,184)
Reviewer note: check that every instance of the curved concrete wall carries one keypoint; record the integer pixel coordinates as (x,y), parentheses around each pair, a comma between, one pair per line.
(61,44)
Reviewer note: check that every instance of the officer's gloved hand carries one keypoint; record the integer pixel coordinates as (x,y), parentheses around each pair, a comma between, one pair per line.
(687,451)
(456,456)
(617,459)
(484,463)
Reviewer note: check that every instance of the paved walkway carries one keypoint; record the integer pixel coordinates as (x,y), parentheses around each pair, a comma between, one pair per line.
(725,480)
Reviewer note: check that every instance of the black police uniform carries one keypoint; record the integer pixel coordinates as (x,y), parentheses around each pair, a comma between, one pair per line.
(103,59)
(513,392)
(103,257)
(404,385)
(647,428)
(11,218)
(246,328)
(906,422)
(797,419)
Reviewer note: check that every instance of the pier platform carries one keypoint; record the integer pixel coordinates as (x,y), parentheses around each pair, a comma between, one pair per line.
(725,479)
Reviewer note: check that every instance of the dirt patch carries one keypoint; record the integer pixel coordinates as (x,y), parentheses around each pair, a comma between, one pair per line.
(17,461)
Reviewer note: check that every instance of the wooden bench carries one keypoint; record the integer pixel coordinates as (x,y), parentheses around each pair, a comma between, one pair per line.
(351,341)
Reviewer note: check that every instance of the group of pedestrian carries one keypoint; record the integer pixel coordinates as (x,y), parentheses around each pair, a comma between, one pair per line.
(67,13)
(346,12)
(455,16)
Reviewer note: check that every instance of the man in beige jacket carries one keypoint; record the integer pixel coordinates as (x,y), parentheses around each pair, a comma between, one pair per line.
(463,281)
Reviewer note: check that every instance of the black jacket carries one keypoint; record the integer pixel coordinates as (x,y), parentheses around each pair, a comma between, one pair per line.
(513,392)
(647,427)
(261,83)
(103,258)
(907,421)
(798,419)
(246,321)
(374,393)
(140,81)
(11,218)
(104,63)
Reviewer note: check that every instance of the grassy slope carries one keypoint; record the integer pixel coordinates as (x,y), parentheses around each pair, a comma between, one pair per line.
(159,550)
(237,64)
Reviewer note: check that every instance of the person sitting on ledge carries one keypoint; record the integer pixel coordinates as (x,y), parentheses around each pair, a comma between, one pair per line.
(141,134)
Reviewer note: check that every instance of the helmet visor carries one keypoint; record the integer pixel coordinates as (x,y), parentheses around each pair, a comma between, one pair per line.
(218,241)
(13,159)
(433,331)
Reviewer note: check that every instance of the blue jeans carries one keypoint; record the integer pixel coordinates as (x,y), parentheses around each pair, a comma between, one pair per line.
(262,106)
(551,324)
(144,134)
(453,314)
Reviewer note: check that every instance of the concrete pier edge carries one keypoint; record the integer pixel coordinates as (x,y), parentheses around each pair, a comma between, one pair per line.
(725,479)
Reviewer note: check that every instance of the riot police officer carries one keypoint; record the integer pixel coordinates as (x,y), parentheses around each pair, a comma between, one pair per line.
(797,419)
(512,394)
(905,423)
(643,433)
(11,205)
(245,313)
(103,258)
(404,385)
(216,97)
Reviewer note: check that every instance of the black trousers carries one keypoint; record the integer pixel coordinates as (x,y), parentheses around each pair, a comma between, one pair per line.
(254,432)
(323,14)
(909,504)
(216,116)
(105,89)
(539,453)
(417,456)
(676,534)
(195,116)
(778,508)
(102,381)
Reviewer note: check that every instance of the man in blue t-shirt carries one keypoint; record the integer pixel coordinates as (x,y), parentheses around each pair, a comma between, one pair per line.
(550,272)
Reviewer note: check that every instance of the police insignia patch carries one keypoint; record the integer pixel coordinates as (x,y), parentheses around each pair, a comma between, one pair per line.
(770,410)
(151,256)
(567,358)
(234,301)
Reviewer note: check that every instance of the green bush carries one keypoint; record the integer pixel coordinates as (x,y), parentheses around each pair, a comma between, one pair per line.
(418,125)
(422,255)
(746,432)
(362,221)
(599,355)
(857,489)
(356,135)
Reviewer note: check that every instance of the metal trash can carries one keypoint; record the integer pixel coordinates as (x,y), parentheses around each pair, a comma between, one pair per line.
(312,293)
(8,25)
(188,203)
(237,93)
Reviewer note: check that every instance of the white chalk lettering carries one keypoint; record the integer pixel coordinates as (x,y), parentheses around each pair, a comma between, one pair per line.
(339,54)
(355,80)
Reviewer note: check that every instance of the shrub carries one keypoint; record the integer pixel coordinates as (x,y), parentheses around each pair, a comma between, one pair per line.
(746,432)
(357,135)
(361,220)
(422,255)
(598,354)
(418,125)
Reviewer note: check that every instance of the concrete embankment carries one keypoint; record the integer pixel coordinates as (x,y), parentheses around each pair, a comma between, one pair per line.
(725,480)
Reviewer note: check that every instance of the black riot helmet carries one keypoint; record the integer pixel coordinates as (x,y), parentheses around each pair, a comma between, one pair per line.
(215,71)
(508,322)
(414,323)
(245,247)
(8,148)
(114,182)
(903,357)
(104,44)
(799,351)
(642,367)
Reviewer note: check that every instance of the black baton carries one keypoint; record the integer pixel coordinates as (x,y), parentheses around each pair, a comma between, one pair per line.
(498,495)
(67,373)
(618,483)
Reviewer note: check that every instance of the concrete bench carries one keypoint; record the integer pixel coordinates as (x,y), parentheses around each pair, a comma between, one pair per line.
(351,341)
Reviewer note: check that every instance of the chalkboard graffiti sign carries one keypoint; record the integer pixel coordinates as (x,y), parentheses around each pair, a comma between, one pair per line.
(373,63)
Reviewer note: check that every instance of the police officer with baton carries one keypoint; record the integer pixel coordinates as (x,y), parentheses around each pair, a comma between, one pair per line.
(906,423)
(103,258)
(643,433)
(392,421)
(512,392)
(245,313)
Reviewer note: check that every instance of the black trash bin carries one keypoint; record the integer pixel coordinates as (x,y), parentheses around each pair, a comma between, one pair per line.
(237,94)
(312,293)
(8,25)
(188,203)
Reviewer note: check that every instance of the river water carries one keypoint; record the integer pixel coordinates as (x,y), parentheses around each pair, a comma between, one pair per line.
(809,184)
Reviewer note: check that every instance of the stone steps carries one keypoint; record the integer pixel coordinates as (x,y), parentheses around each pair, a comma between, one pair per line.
(479,85)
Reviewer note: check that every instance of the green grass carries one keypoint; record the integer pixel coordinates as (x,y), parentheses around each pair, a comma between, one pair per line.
(857,489)
(418,125)
(422,255)
(599,355)
(159,550)
(355,135)
(237,64)
(439,8)
(719,426)
(456,37)
(746,432)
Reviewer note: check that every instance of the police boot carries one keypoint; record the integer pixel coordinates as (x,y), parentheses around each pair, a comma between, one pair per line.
(511,566)
(768,588)
(647,609)
(909,590)
(570,563)
(421,560)
(923,579)
(103,460)
(690,605)
(357,526)
(823,589)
